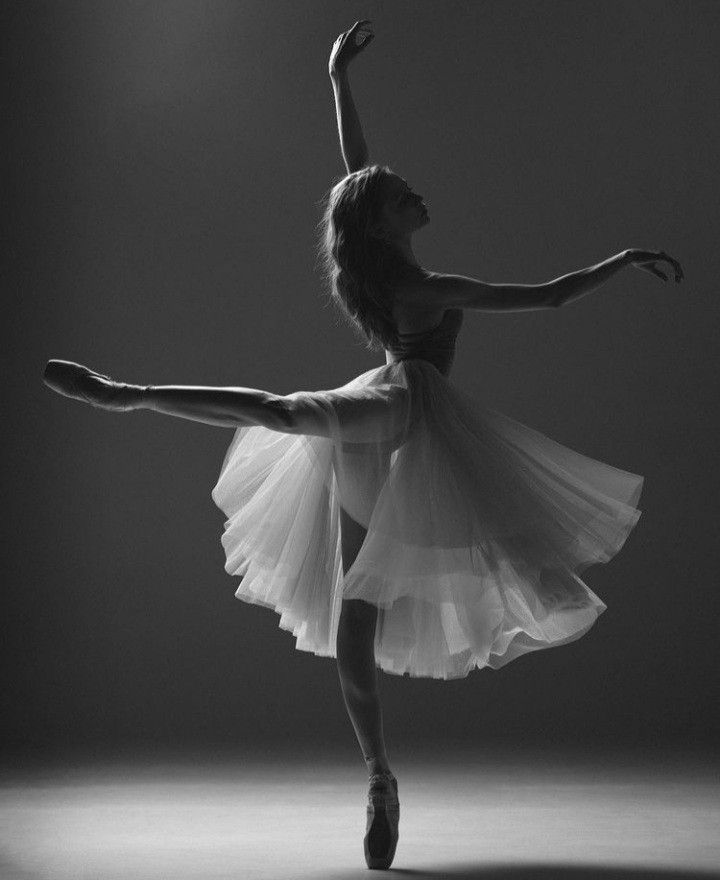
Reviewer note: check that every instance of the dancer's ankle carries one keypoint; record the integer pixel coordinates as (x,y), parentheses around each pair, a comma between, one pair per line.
(377,765)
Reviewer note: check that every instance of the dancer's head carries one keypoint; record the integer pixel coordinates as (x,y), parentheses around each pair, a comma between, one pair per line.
(368,218)
(402,211)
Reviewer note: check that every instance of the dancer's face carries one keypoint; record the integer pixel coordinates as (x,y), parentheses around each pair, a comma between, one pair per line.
(403,211)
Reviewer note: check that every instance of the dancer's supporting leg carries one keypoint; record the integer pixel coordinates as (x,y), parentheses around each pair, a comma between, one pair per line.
(356,658)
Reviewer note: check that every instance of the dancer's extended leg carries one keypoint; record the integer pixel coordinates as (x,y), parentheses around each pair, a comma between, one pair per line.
(229,407)
(358,418)
(356,659)
(344,416)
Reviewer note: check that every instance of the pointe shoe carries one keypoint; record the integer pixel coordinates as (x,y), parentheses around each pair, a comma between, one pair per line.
(383,817)
(81,383)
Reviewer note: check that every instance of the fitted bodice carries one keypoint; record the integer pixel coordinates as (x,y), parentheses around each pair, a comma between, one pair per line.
(436,345)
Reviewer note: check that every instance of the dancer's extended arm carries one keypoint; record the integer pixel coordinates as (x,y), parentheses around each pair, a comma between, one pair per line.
(445,290)
(568,288)
(352,142)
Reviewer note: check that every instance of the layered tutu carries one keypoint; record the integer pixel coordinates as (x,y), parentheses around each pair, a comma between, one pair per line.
(477,525)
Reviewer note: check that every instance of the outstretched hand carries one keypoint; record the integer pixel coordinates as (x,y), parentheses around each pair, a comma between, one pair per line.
(646,260)
(348,45)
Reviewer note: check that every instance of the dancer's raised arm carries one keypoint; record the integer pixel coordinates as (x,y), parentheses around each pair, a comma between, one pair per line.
(440,289)
(352,143)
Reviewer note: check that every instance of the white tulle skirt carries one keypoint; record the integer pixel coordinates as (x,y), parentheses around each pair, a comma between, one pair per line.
(477,526)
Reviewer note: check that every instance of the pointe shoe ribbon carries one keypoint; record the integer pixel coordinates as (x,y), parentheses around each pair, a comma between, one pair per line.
(81,383)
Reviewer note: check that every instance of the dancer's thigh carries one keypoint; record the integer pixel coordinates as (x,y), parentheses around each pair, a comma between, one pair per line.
(376,415)
(357,618)
(361,472)
(352,535)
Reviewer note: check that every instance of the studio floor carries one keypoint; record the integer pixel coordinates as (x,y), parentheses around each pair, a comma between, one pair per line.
(477,814)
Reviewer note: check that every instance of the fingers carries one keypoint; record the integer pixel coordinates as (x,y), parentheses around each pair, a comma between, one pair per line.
(648,267)
(360,40)
(353,29)
(646,259)
(679,274)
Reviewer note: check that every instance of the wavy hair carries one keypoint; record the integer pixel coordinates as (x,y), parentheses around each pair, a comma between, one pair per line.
(358,267)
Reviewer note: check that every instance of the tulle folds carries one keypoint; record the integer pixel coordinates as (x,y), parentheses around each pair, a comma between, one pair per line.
(477,525)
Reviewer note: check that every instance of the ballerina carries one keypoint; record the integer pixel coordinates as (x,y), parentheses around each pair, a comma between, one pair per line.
(397,521)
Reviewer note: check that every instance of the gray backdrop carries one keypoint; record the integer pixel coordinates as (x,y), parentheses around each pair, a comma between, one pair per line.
(164,165)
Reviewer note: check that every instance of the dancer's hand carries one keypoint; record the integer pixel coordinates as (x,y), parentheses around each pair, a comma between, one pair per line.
(646,260)
(81,383)
(346,47)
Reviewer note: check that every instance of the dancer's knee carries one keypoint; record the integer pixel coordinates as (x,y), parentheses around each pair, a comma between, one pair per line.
(355,646)
(301,413)
(358,620)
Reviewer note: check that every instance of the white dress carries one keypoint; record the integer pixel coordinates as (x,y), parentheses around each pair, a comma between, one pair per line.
(477,525)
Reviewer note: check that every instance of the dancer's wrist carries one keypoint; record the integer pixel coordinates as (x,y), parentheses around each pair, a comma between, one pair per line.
(136,396)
